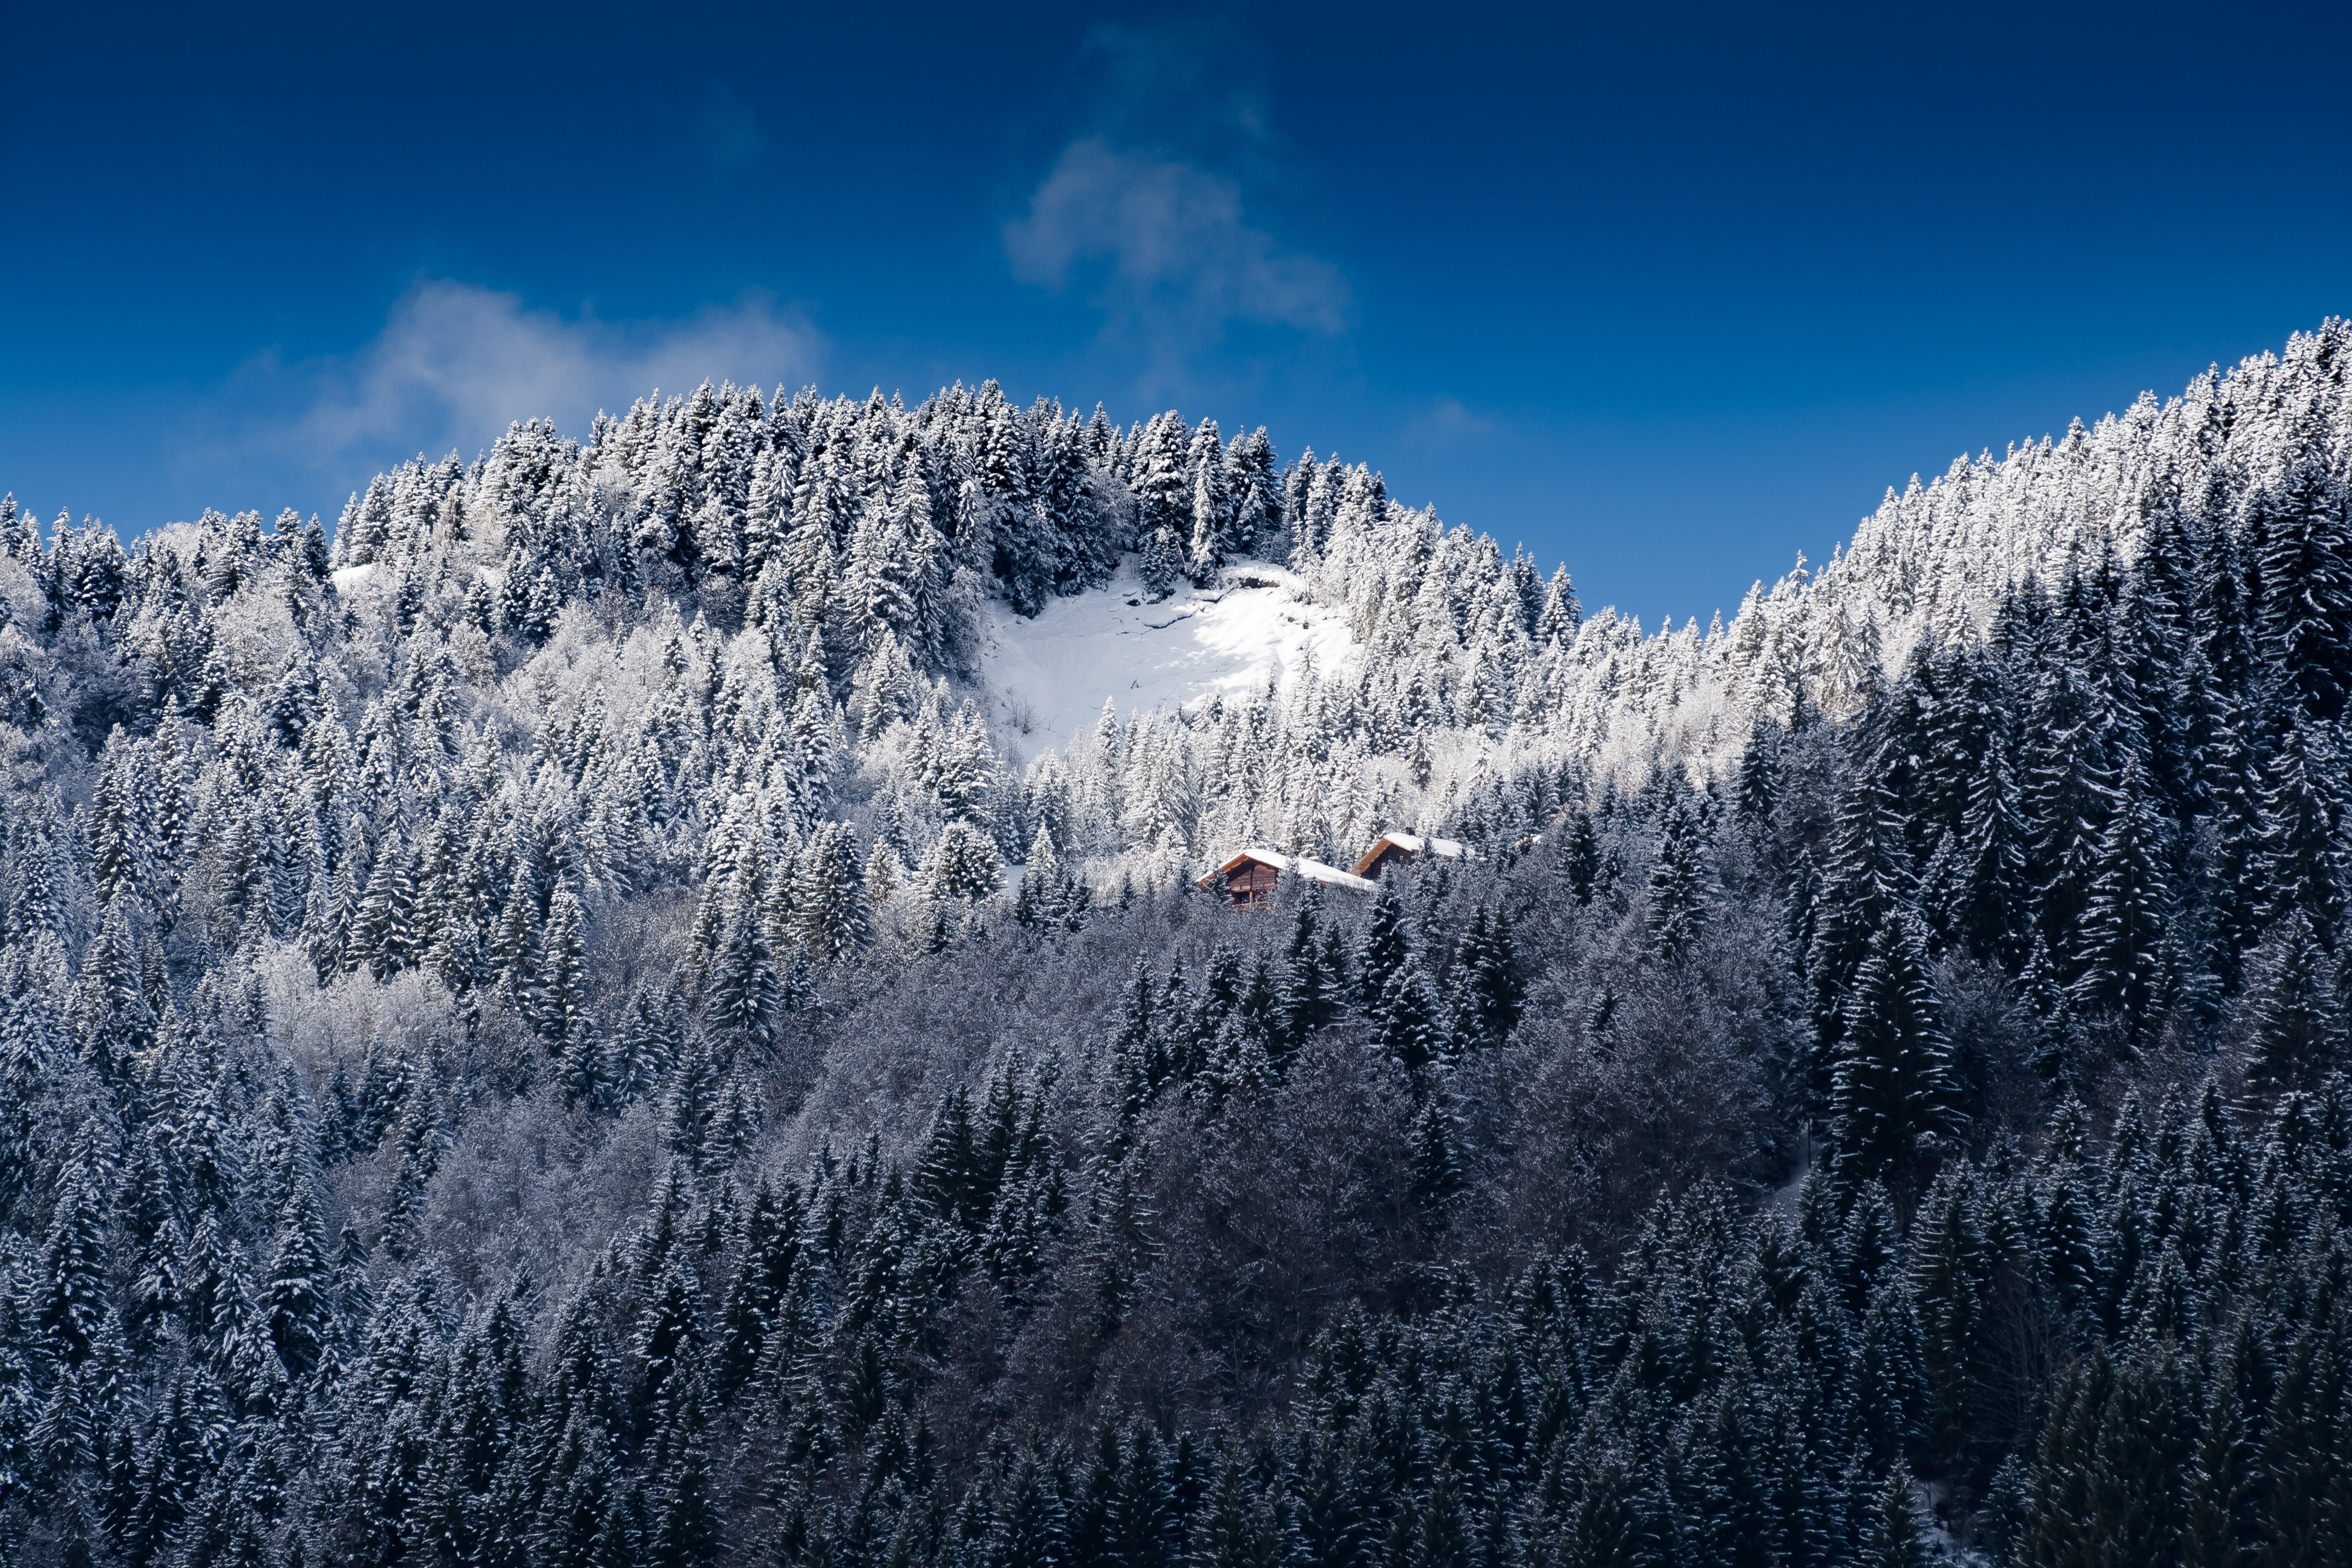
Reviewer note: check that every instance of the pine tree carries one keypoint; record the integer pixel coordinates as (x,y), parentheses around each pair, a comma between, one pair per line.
(1161,562)
(298,1291)
(1384,948)
(386,933)
(690,1102)
(2295,855)
(2293,1024)
(1756,787)
(1890,1096)
(1408,1023)
(72,1283)
(1489,981)
(563,1000)
(113,996)
(689,1531)
(2069,780)
(1946,1266)
(961,865)
(1888,1385)
(2305,540)
(1310,991)
(2120,942)
(1436,1166)
(1029,1524)
(2218,1527)
(669,1330)
(948,1179)
(1866,880)
(829,896)
(517,949)
(739,993)
(1678,884)
(1893,1538)
(1986,911)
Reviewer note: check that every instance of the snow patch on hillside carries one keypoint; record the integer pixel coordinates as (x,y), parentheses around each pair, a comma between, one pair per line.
(1047,677)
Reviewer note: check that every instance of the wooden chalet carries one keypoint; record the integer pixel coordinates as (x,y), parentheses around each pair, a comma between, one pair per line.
(1250,877)
(1404,848)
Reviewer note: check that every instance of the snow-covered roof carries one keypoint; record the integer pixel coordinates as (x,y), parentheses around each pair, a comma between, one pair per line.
(1451,849)
(1413,844)
(1291,865)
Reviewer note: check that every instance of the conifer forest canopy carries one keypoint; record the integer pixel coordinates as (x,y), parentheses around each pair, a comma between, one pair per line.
(561,1027)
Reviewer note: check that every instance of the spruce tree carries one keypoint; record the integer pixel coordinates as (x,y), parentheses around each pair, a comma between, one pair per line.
(1310,991)
(740,995)
(2293,1024)
(1384,947)
(2304,541)
(2068,779)
(688,1530)
(563,999)
(2295,855)
(298,1293)
(1894,1538)
(1488,978)
(1891,1092)
(1678,892)
(2120,948)
(71,1300)
(1985,910)
(1867,878)
(1408,1023)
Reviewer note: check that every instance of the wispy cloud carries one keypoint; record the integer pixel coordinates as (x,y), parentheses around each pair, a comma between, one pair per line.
(456,363)
(1177,256)
(1446,423)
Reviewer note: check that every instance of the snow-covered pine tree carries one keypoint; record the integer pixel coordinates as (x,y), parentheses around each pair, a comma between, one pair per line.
(1890,1107)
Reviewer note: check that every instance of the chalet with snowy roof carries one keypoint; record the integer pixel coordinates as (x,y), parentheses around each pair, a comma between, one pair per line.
(1404,848)
(1250,877)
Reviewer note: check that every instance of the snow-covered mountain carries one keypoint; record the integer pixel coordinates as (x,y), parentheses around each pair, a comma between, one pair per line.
(911,617)
(544,887)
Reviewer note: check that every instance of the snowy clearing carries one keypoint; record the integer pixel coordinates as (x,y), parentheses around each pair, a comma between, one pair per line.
(1047,676)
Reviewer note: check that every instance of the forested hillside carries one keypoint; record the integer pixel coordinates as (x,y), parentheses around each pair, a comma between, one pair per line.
(548,1029)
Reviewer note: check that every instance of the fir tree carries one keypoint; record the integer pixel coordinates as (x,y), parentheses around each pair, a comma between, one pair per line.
(1890,1096)
(1384,948)
(2303,535)
(2120,942)
(1866,880)
(1989,897)
(298,1291)
(2296,850)
(562,1001)
(1894,1538)
(1677,888)
(1409,1026)
(71,1302)
(1310,990)
(2069,780)
(2291,1011)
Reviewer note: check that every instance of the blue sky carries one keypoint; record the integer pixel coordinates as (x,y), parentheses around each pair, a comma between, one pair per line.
(1669,293)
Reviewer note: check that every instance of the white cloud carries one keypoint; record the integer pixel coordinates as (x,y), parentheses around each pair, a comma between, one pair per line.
(456,363)
(1180,259)
(1447,422)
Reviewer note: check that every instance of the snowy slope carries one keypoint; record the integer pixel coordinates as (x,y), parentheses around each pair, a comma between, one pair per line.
(1047,677)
